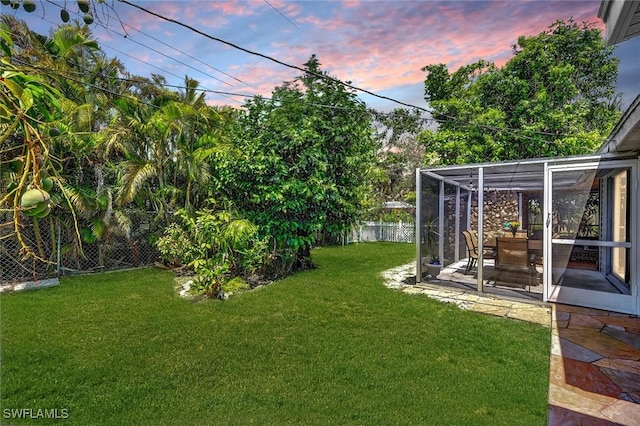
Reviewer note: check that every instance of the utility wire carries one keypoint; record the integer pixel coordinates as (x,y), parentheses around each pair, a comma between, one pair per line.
(121,95)
(173,59)
(158,68)
(325,76)
(373,114)
(66,75)
(128,95)
(179,51)
(515,132)
(185,54)
(269,58)
(281,14)
(175,86)
(221,93)
(126,35)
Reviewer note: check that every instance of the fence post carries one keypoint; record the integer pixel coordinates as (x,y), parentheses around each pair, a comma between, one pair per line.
(58,257)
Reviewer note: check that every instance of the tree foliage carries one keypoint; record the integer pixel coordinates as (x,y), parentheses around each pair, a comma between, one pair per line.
(555,96)
(302,162)
(294,165)
(401,153)
(217,244)
(108,144)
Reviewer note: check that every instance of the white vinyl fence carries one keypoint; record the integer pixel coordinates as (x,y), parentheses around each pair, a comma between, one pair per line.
(397,232)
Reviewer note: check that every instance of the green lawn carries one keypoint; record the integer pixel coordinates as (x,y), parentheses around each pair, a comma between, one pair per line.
(326,346)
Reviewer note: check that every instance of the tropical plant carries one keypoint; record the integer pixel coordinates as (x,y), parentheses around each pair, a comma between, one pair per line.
(400,153)
(217,244)
(78,141)
(29,110)
(167,152)
(431,238)
(94,145)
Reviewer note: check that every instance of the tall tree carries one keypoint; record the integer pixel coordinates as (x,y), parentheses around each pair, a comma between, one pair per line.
(302,162)
(401,152)
(556,96)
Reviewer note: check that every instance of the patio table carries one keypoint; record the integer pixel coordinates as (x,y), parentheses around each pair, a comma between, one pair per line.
(533,246)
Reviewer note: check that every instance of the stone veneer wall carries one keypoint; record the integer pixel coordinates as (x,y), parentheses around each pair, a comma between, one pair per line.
(499,207)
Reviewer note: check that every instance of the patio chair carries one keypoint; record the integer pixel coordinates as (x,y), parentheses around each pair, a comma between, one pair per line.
(471,239)
(472,252)
(513,262)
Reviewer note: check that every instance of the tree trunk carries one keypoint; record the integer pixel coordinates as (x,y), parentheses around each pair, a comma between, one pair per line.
(303,259)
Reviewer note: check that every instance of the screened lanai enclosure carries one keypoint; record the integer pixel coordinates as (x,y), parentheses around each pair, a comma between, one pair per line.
(561,230)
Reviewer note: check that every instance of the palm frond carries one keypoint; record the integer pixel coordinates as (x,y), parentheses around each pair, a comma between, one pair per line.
(135,175)
(68,40)
(82,200)
(115,140)
(98,227)
(124,223)
(239,230)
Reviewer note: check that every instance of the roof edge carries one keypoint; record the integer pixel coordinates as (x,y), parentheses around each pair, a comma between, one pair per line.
(629,120)
(617,16)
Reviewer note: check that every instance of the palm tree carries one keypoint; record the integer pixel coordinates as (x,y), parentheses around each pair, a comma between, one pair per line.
(173,145)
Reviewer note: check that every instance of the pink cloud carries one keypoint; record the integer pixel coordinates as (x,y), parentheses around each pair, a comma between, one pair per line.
(204,14)
(378,45)
(385,46)
(287,8)
(350,3)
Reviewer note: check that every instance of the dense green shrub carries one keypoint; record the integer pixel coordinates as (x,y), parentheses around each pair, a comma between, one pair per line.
(218,245)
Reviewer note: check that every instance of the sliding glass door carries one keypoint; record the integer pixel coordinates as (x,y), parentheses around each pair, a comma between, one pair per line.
(590,229)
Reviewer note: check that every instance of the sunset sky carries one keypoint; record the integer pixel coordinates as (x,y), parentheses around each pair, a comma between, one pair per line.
(380,46)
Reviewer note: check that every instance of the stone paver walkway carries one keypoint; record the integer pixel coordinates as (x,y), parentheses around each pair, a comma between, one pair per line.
(594,374)
(595,368)
(539,313)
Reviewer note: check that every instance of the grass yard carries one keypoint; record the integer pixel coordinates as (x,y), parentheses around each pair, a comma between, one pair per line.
(326,346)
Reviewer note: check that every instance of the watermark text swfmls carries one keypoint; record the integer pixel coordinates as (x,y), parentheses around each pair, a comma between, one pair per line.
(39,413)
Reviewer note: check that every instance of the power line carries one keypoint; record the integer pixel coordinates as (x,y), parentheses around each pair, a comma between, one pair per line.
(281,14)
(126,35)
(129,95)
(269,58)
(221,93)
(173,59)
(158,68)
(179,51)
(122,95)
(175,86)
(515,132)
(324,76)
(167,85)
(186,54)
(225,94)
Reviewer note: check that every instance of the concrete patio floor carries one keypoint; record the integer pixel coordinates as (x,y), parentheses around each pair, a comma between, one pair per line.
(595,355)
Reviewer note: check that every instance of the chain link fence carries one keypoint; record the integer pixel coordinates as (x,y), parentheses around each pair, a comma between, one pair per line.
(60,249)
